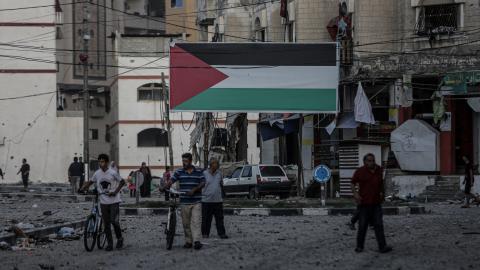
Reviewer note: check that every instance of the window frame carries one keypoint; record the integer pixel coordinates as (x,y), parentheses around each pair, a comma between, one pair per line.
(460,16)
(249,168)
(161,141)
(155,90)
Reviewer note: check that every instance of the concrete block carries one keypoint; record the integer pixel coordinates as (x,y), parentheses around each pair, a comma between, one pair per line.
(315,211)
(252,212)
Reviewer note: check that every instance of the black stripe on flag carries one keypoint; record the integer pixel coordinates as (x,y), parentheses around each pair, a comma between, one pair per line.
(263,54)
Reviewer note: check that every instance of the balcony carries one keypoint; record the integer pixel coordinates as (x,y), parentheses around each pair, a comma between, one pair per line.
(138,24)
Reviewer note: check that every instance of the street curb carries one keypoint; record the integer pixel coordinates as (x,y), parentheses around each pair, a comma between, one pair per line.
(400,210)
(40,232)
(27,195)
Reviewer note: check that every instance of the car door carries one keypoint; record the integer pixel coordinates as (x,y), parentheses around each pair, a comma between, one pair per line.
(230,184)
(245,179)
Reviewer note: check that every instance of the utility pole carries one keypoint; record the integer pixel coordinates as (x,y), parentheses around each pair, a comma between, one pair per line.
(86,94)
(206,144)
(169,124)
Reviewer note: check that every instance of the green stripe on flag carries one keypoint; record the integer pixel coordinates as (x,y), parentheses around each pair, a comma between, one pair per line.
(262,99)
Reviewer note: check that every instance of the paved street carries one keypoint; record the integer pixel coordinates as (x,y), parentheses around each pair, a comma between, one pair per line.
(444,239)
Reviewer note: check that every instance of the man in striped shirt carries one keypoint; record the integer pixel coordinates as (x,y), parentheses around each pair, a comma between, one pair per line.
(191,181)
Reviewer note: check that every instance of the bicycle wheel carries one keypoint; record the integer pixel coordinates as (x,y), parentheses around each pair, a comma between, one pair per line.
(171,225)
(89,233)
(102,237)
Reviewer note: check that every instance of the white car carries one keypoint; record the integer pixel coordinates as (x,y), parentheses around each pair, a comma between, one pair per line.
(258,180)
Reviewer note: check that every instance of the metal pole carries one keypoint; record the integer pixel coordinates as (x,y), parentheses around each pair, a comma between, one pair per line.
(169,124)
(206,140)
(86,94)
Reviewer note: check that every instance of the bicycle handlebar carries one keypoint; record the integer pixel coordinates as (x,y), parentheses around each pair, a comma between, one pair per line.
(174,191)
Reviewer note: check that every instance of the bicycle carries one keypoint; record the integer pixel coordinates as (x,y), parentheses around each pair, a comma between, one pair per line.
(93,229)
(171,223)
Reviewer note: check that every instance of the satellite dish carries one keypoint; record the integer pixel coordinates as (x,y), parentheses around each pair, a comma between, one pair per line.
(474,104)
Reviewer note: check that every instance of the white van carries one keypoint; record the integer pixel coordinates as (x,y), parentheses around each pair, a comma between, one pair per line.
(258,180)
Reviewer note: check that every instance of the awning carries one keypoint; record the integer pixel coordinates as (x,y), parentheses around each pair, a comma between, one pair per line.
(279,127)
(347,120)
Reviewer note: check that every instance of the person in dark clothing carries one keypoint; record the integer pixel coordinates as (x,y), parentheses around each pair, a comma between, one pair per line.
(368,191)
(166,179)
(82,179)
(468,181)
(75,172)
(147,180)
(212,200)
(25,170)
(1,173)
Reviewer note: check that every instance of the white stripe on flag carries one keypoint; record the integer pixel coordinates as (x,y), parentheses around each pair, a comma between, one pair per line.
(288,77)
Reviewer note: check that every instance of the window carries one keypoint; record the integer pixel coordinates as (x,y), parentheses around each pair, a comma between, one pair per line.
(260,33)
(268,171)
(156,8)
(236,172)
(247,171)
(438,19)
(177,3)
(151,91)
(219,137)
(94,134)
(152,137)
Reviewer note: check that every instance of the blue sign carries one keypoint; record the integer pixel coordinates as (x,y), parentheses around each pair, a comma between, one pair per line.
(322,174)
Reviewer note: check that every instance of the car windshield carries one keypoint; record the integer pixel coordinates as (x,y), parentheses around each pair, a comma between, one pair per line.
(236,173)
(269,171)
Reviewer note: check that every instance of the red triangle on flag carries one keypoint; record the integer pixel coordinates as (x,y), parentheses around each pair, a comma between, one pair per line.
(189,76)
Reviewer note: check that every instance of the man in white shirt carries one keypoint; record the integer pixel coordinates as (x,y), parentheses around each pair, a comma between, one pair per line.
(108,183)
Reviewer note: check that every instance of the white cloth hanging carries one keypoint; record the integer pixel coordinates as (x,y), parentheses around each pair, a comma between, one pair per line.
(363,108)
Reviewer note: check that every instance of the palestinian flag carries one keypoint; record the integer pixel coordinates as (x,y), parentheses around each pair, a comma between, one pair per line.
(254,77)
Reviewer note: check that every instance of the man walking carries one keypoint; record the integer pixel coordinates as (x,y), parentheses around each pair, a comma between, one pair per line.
(368,191)
(1,173)
(25,170)
(191,181)
(75,172)
(468,181)
(108,181)
(82,179)
(212,200)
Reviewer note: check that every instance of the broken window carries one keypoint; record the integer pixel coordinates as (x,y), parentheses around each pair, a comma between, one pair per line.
(152,137)
(220,137)
(438,19)
(151,91)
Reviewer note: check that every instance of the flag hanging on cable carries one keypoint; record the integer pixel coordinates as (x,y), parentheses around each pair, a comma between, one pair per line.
(363,108)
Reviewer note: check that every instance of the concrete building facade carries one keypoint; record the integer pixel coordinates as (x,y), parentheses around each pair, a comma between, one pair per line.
(30,125)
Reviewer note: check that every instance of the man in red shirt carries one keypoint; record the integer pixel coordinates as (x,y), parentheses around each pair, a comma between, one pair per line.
(368,191)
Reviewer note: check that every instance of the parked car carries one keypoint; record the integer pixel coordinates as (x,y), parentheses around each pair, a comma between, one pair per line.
(258,180)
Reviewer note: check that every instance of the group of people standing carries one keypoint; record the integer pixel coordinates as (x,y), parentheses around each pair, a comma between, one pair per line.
(201,200)
(144,177)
